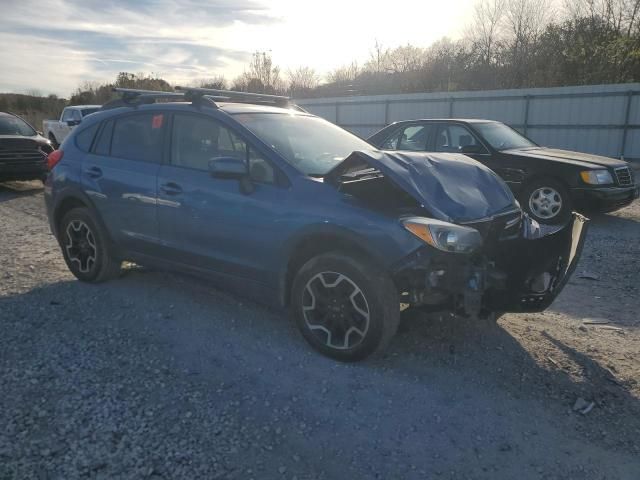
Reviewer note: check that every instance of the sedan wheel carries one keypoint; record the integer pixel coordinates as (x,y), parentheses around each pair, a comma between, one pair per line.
(545,202)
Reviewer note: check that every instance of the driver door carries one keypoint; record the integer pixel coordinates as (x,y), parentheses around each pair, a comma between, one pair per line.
(212,223)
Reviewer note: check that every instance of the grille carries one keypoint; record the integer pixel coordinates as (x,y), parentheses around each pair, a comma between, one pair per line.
(21,157)
(624,175)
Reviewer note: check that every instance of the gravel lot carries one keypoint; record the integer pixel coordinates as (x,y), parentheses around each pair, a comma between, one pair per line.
(158,375)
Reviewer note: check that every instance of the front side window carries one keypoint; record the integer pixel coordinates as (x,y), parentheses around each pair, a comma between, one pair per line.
(75,116)
(138,137)
(454,138)
(312,145)
(10,125)
(196,140)
(502,137)
(66,115)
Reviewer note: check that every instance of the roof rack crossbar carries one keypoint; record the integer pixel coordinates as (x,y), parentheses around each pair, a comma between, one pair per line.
(231,95)
(196,95)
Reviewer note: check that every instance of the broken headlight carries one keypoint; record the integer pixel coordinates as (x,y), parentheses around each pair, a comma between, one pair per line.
(596,177)
(444,236)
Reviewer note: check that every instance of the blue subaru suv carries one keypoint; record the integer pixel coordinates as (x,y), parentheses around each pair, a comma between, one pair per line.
(282,206)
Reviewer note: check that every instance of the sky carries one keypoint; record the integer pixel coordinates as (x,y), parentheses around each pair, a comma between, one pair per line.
(53,46)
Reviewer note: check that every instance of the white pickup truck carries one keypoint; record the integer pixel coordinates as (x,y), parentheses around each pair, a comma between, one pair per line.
(57,130)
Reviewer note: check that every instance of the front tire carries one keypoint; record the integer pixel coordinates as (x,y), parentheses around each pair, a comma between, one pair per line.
(547,201)
(86,247)
(345,307)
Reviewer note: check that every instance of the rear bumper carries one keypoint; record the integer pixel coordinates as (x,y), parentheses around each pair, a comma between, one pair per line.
(604,199)
(523,274)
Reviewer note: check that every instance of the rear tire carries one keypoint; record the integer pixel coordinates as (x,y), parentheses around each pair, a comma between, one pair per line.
(547,201)
(345,307)
(86,247)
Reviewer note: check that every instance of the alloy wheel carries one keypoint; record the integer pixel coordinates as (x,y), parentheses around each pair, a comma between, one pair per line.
(545,202)
(81,245)
(335,310)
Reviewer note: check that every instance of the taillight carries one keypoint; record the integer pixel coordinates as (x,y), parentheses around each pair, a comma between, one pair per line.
(53,158)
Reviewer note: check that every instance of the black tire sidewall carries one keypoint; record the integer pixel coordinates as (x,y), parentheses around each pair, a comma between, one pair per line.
(378,290)
(565,210)
(102,252)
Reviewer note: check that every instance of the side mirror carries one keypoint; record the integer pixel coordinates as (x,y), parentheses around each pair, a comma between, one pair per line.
(477,148)
(73,123)
(228,167)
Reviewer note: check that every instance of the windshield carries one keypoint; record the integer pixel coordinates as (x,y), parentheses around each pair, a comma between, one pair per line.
(89,111)
(311,144)
(502,137)
(10,125)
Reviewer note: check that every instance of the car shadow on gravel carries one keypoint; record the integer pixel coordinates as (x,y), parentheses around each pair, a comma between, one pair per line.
(471,353)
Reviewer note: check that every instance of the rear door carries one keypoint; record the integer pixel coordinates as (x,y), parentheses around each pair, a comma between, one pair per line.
(209,222)
(120,176)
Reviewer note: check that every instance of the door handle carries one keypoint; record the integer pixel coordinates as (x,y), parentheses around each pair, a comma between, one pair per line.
(94,172)
(171,188)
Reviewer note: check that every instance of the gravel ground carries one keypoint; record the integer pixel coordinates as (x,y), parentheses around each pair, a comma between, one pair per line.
(158,375)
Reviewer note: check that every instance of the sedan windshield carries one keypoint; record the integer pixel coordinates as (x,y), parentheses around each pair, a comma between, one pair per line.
(10,125)
(502,137)
(311,144)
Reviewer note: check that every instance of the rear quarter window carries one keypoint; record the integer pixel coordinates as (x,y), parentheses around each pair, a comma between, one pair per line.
(84,139)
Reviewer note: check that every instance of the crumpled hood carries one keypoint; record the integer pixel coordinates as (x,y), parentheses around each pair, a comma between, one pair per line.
(577,158)
(452,186)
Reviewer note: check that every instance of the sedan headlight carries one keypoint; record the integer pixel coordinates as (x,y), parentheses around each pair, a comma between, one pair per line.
(444,236)
(596,177)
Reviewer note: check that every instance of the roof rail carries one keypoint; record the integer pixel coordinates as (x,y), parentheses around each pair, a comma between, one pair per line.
(194,94)
(133,97)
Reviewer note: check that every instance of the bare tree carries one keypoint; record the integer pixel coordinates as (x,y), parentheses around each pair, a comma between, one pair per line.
(344,74)
(406,58)
(262,76)
(378,59)
(486,28)
(301,80)
(217,82)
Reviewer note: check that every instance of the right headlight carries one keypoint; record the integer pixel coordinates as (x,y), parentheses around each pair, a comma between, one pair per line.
(444,236)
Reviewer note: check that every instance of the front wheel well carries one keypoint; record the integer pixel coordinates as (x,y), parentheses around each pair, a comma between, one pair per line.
(314,246)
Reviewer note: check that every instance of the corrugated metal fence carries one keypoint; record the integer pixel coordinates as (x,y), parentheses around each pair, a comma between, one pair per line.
(600,119)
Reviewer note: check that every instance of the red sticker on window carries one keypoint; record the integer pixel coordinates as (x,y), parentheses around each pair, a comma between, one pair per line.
(157,121)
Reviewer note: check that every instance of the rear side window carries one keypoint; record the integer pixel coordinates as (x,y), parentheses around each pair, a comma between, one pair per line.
(412,137)
(138,137)
(102,145)
(84,139)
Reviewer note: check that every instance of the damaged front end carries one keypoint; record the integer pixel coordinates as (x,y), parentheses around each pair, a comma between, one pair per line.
(519,268)
(481,254)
